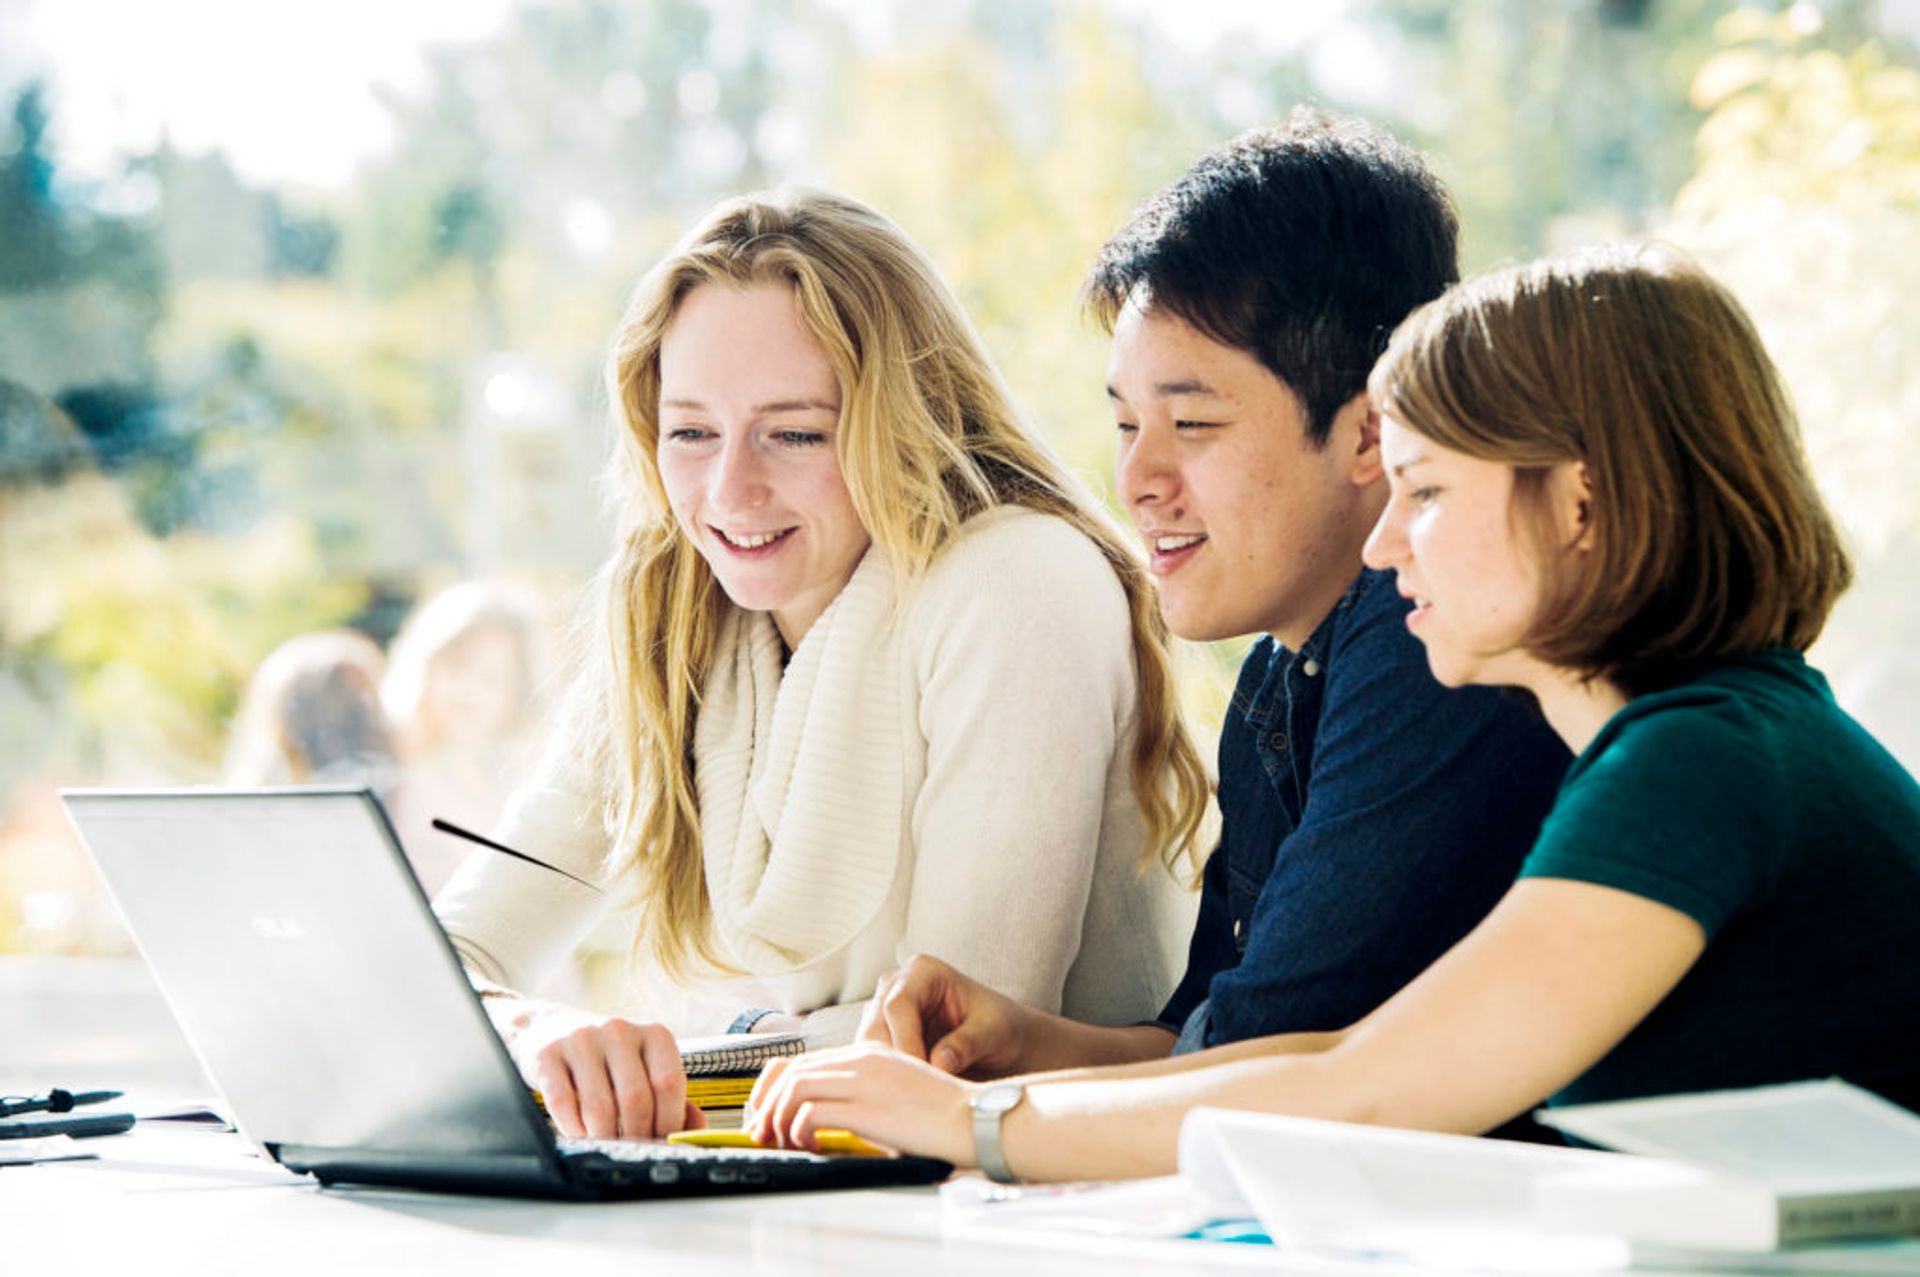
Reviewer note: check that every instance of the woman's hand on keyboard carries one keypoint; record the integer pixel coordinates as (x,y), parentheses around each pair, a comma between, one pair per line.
(879,1094)
(606,1077)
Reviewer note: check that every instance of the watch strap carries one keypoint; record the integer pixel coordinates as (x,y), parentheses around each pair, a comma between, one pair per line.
(987,1122)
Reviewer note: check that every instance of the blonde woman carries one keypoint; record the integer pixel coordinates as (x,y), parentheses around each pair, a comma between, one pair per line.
(1598,495)
(874,677)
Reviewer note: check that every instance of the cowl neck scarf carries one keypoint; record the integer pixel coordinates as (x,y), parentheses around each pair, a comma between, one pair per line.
(799,776)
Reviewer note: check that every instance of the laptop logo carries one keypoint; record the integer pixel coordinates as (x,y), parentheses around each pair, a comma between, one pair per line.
(277,928)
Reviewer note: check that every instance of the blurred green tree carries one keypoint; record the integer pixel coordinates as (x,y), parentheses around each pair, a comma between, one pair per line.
(31,233)
(1806,200)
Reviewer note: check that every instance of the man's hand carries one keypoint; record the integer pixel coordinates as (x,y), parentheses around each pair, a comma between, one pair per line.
(932,1012)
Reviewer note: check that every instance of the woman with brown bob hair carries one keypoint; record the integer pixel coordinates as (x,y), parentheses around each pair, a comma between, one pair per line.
(1598,495)
(1707,536)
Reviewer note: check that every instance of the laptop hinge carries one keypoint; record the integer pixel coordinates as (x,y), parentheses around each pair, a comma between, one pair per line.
(509,1174)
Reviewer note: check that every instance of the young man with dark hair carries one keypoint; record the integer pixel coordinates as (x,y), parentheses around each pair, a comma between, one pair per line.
(1370,816)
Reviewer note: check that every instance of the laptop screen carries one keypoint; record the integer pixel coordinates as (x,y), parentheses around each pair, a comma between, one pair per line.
(301,959)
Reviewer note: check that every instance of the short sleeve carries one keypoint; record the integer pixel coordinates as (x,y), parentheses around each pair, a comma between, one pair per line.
(1672,805)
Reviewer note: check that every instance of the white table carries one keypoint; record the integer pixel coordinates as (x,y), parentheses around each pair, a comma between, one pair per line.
(161,1202)
(170,1204)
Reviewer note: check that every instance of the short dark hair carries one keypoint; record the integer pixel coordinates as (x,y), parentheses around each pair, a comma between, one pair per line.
(1303,245)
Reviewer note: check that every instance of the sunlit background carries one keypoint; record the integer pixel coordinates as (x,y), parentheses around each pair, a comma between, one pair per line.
(302,306)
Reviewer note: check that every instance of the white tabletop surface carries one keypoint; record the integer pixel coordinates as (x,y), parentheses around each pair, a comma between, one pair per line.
(164,1201)
(161,1203)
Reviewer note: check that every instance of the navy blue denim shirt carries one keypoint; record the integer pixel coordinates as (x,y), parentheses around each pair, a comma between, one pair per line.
(1370,818)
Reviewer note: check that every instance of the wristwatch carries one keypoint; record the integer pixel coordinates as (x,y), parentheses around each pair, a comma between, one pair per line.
(990,1105)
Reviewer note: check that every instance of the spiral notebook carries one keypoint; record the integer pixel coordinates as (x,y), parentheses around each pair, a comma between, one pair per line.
(736,1052)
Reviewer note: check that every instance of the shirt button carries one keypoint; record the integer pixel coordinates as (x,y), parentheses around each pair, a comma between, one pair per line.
(1278,741)
(1310,667)
(1239,927)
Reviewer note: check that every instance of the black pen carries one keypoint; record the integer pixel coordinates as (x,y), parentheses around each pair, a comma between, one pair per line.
(54,1101)
(448,827)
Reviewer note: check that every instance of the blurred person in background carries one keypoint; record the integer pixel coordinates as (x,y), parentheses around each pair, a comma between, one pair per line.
(875,675)
(311,715)
(459,692)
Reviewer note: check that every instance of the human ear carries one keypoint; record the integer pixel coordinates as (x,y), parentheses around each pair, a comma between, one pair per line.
(1575,504)
(1356,431)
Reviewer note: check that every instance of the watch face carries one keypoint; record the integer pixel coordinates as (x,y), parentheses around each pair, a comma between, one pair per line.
(998,1099)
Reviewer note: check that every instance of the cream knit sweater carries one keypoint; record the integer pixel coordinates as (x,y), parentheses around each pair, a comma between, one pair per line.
(949,776)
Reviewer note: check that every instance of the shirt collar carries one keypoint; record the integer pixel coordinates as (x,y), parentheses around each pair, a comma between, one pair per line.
(1309,662)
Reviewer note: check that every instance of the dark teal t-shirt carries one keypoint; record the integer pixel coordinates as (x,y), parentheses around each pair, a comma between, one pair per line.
(1748,800)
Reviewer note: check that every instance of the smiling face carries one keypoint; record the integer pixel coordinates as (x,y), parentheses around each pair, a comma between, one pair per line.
(1249,527)
(1450,536)
(749,406)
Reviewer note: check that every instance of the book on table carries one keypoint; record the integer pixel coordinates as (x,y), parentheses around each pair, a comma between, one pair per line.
(1778,1178)
(721,1070)
(1757,1168)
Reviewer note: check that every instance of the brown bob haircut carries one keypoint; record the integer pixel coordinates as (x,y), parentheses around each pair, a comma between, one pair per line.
(1707,535)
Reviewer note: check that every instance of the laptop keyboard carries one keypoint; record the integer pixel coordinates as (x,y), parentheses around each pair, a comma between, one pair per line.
(657,1166)
(661,1151)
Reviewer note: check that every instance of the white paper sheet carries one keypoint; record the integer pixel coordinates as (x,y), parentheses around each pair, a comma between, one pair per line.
(1801,1136)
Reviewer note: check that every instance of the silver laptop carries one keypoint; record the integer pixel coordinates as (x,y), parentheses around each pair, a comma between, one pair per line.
(299,955)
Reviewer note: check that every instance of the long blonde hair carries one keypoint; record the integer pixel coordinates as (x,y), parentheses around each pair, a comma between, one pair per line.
(928,438)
